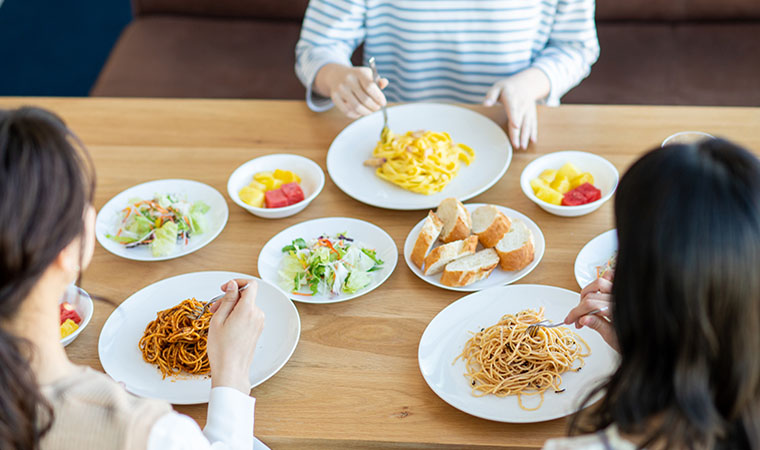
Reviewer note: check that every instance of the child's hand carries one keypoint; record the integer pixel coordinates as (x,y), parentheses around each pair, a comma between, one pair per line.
(235,329)
(352,89)
(519,94)
(597,294)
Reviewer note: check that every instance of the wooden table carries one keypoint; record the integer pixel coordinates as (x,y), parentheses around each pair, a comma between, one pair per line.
(353,381)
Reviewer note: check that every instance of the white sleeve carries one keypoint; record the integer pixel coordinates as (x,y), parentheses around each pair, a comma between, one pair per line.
(331,31)
(229,425)
(572,47)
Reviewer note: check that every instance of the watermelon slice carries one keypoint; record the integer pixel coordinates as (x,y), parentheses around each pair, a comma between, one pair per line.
(275,199)
(293,192)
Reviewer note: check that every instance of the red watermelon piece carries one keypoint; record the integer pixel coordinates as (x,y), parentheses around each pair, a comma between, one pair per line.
(292,192)
(275,199)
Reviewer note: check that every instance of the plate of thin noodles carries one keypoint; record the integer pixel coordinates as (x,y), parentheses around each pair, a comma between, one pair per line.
(596,258)
(428,152)
(155,345)
(479,355)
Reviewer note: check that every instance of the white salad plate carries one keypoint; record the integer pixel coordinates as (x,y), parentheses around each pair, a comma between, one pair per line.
(445,337)
(364,233)
(498,277)
(354,145)
(109,217)
(122,359)
(594,255)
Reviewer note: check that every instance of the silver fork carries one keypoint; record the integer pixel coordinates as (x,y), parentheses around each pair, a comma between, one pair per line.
(376,78)
(216,299)
(548,324)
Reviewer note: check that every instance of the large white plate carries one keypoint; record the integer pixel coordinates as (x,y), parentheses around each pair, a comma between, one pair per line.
(498,277)
(363,232)
(192,191)
(355,144)
(594,254)
(445,336)
(122,360)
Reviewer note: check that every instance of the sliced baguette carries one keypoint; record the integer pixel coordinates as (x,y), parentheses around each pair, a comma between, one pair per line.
(470,269)
(440,256)
(516,249)
(431,228)
(490,225)
(456,220)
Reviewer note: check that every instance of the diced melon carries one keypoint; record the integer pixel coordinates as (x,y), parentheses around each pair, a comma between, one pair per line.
(548,175)
(549,195)
(560,184)
(568,171)
(585,177)
(252,196)
(261,176)
(286,176)
(538,183)
(256,185)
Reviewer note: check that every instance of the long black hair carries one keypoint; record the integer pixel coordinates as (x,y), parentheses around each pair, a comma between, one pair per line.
(687,300)
(46,184)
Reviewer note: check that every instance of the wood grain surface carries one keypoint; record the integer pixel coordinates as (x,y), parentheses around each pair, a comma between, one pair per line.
(353,381)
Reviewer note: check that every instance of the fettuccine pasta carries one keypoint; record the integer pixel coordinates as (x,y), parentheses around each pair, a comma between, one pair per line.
(505,359)
(421,161)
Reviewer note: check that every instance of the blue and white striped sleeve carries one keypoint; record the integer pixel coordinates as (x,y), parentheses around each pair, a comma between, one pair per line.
(331,31)
(572,47)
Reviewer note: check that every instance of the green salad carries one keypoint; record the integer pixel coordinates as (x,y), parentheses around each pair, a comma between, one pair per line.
(327,266)
(160,223)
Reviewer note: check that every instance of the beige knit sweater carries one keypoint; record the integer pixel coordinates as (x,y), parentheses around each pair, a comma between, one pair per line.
(93,412)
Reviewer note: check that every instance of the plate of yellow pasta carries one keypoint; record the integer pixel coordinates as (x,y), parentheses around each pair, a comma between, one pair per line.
(428,152)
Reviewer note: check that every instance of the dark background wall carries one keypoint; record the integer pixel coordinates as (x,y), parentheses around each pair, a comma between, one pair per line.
(57,47)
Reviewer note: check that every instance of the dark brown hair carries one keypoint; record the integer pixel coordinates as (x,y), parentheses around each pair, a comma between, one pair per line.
(46,184)
(687,300)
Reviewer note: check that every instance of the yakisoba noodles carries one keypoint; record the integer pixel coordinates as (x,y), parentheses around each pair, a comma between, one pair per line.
(505,359)
(420,161)
(176,340)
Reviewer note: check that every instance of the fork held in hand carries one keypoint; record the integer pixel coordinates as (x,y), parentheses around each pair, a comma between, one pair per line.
(215,299)
(547,323)
(376,78)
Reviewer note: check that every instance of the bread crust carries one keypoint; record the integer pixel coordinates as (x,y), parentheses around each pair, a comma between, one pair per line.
(462,226)
(459,278)
(431,228)
(495,231)
(469,246)
(517,259)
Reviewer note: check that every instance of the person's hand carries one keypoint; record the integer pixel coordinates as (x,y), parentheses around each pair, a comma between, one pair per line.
(352,89)
(598,294)
(519,94)
(235,328)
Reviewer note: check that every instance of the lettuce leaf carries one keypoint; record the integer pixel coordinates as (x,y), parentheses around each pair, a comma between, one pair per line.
(165,240)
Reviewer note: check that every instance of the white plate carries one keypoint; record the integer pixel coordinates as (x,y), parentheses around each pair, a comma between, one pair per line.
(498,277)
(355,143)
(594,254)
(363,232)
(192,191)
(122,359)
(445,336)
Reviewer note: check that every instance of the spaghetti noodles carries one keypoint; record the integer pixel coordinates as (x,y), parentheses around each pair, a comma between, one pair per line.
(505,359)
(421,161)
(176,340)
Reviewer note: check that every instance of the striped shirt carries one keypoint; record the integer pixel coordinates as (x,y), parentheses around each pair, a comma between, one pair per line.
(450,50)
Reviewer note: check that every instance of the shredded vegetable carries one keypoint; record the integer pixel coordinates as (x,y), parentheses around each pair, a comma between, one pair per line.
(327,266)
(160,223)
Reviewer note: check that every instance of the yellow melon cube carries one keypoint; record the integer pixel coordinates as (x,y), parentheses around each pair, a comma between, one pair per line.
(538,183)
(548,175)
(252,196)
(256,185)
(68,327)
(560,184)
(568,171)
(585,177)
(286,176)
(549,195)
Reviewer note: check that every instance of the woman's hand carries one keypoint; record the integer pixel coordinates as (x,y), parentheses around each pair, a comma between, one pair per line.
(597,294)
(352,89)
(519,94)
(235,328)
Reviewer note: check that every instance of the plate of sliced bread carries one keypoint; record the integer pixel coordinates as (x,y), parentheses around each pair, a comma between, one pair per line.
(474,246)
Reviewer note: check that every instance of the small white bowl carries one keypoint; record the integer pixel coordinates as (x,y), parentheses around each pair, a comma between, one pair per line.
(312,182)
(605,179)
(686,137)
(83,305)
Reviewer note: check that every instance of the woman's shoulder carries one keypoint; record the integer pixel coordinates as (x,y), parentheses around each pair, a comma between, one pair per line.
(607,439)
